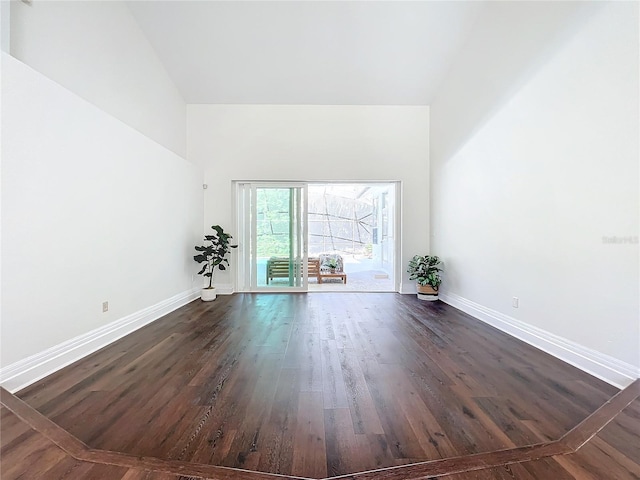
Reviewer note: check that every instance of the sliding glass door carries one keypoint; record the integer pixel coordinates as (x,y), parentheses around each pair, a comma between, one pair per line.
(272,233)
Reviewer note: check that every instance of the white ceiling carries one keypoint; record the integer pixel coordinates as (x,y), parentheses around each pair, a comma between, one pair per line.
(306,52)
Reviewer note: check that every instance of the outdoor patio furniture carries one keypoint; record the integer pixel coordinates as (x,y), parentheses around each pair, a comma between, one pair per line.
(278,267)
(327,272)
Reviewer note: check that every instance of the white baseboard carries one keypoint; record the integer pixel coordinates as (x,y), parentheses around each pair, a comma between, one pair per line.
(224,289)
(24,372)
(407,288)
(604,367)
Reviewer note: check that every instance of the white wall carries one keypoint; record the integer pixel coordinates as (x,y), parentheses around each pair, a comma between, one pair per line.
(523,196)
(97,50)
(92,211)
(264,142)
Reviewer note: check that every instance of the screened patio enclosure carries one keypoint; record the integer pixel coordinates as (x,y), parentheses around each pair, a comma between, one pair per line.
(355,221)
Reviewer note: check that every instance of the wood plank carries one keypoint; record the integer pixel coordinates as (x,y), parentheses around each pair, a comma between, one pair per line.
(333,386)
(309,454)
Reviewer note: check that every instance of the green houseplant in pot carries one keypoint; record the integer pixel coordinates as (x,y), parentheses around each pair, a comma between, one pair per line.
(332,264)
(213,254)
(425,270)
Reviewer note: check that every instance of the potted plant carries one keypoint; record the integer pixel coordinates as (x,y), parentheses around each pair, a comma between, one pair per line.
(213,255)
(332,264)
(424,269)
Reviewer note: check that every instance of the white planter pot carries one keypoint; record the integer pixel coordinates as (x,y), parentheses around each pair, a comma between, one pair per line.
(428,298)
(208,294)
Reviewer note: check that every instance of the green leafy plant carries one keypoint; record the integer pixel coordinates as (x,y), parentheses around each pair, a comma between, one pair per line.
(424,270)
(331,263)
(214,253)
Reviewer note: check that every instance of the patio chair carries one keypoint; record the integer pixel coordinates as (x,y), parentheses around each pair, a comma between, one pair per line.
(326,272)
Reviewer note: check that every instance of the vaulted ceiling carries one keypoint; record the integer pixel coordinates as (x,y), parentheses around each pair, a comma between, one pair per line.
(306,52)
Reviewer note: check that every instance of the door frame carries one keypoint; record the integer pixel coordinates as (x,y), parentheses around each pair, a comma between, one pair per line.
(246,257)
(397,224)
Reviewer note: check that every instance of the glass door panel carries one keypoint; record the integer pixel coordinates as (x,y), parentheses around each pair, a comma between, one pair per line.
(273,229)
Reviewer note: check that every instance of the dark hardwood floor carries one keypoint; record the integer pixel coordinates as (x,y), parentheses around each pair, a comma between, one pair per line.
(315,386)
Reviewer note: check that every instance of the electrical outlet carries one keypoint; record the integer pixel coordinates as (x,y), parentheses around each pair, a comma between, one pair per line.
(105,307)
(515,302)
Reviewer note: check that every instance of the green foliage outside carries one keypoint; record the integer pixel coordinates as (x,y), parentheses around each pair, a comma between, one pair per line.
(273,222)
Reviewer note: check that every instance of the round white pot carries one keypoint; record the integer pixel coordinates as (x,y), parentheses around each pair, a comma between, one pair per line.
(208,294)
